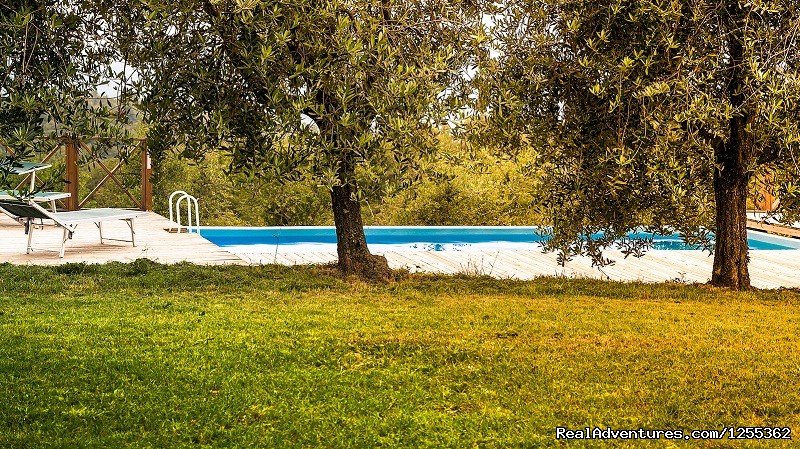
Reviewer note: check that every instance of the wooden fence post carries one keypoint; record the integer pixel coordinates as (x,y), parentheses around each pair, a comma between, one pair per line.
(766,199)
(72,174)
(147,184)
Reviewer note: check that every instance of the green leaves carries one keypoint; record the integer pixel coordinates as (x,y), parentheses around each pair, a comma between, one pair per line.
(339,79)
(631,103)
(54,62)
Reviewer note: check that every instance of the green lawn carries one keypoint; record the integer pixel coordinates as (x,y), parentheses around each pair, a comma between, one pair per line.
(144,355)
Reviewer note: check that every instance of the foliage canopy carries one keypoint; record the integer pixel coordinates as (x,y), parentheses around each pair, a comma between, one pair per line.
(55,55)
(331,85)
(650,113)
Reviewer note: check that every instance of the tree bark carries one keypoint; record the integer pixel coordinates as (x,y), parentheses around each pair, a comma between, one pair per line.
(731,177)
(731,248)
(351,243)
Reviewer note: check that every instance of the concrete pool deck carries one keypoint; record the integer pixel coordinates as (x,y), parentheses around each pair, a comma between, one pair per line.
(152,242)
(768,269)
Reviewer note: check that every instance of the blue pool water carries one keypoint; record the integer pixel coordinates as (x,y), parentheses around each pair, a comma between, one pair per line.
(429,238)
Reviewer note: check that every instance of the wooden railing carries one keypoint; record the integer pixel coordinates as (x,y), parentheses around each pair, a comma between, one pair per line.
(765,199)
(73,149)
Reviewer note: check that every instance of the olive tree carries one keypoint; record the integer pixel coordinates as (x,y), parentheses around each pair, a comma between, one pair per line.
(649,113)
(331,86)
(52,61)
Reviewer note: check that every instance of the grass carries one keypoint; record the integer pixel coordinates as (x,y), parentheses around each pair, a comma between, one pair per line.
(144,355)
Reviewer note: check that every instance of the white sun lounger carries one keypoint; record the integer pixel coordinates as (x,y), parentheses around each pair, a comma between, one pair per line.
(33,216)
(30,168)
(39,197)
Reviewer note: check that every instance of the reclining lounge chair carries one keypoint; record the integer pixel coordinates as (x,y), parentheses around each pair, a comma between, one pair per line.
(33,216)
(30,169)
(39,197)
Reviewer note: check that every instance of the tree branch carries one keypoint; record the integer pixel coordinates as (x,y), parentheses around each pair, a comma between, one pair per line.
(234,52)
(770,154)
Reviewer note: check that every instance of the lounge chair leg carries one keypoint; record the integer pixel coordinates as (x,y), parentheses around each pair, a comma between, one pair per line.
(30,236)
(133,232)
(64,239)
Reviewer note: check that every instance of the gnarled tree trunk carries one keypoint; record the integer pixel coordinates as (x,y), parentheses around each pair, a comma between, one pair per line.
(731,249)
(351,243)
(731,177)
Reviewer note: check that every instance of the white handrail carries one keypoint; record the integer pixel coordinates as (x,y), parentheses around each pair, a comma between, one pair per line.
(191,206)
(171,215)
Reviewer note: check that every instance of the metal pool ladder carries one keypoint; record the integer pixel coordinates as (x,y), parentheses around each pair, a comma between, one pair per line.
(192,212)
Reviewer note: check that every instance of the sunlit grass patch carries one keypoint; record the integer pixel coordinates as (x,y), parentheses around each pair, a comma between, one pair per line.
(154,356)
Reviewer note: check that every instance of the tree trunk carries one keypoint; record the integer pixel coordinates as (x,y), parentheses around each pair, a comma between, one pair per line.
(731,177)
(731,248)
(351,244)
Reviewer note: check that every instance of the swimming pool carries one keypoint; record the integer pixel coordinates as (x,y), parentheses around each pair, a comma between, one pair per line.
(429,238)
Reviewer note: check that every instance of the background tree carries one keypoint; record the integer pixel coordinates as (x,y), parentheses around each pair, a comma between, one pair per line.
(53,58)
(330,85)
(650,113)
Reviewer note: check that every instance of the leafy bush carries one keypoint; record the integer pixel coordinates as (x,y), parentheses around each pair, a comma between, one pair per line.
(459,187)
(462,187)
(236,200)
